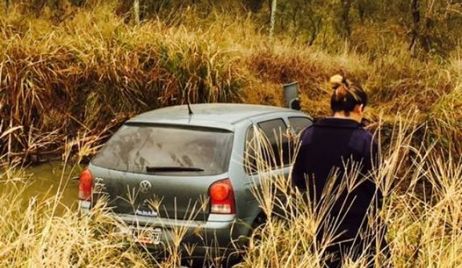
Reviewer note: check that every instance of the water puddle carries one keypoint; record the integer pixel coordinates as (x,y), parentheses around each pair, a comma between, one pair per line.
(48,180)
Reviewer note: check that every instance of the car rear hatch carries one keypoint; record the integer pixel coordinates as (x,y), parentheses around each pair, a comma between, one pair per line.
(155,170)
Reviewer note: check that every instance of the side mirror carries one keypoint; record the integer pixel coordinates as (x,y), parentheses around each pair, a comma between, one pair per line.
(295,104)
(291,95)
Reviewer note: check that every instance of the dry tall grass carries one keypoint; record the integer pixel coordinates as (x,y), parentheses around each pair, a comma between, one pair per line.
(422,197)
(89,72)
(72,82)
(421,187)
(34,234)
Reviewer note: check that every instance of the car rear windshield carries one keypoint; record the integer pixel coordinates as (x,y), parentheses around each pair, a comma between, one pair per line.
(167,150)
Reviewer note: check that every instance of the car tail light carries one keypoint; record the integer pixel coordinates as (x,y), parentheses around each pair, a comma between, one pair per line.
(222,197)
(85,185)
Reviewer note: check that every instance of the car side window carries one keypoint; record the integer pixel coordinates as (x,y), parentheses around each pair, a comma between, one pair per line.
(274,145)
(298,124)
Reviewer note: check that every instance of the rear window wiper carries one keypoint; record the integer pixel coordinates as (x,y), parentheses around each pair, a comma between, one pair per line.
(172,169)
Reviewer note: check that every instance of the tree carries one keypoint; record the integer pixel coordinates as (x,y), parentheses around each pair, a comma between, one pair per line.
(345,29)
(415,25)
(274,5)
(7,5)
(136,11)
(253,5)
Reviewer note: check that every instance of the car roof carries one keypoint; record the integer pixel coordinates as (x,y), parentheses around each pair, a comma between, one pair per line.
(221,115)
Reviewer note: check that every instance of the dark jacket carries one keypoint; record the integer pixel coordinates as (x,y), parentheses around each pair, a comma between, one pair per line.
(332,146)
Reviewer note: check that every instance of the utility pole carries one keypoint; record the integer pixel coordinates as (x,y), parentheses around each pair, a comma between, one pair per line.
(136,11)
(274,5)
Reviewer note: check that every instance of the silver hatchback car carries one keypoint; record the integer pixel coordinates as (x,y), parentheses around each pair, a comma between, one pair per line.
(169,168)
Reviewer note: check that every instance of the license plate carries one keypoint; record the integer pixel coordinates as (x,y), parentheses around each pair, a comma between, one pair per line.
(146,235)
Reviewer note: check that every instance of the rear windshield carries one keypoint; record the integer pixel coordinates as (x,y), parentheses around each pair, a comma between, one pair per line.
(167,150)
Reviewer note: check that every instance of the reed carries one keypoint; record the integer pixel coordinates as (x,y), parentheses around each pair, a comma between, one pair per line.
(421,187)
(91,71)
(65,85)
(42,232)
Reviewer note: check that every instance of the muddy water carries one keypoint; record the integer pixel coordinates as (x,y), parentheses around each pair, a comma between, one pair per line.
(49,179)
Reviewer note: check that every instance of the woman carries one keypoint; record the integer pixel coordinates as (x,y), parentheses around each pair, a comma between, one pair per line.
(332,166)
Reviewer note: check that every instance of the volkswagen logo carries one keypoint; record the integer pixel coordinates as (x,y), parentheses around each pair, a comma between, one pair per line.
(145,186)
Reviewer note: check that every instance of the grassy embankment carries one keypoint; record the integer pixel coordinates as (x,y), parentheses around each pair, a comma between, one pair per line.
(88,73)
(70,83)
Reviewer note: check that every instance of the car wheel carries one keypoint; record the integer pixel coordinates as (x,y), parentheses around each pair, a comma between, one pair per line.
(258,223)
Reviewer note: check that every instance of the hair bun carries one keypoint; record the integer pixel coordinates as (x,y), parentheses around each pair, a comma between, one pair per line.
(336,80)
(338,84)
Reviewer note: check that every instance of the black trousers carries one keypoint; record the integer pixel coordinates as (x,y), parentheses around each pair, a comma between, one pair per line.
(355,248)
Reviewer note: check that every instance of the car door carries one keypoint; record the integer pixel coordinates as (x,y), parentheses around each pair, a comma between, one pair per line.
(281,134)
(298,123)
(284,139)
(267,159)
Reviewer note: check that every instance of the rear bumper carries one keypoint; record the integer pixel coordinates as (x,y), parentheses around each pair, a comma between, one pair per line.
(218,234)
